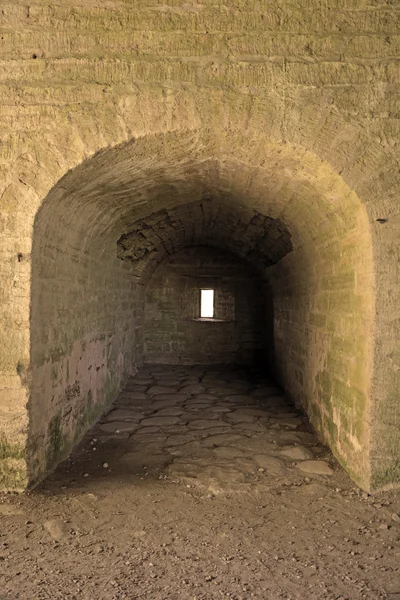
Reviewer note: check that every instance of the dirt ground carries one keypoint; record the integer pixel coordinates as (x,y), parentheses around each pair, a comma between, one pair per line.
(200,484)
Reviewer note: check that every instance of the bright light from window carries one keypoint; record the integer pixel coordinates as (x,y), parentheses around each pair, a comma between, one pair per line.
(207,304)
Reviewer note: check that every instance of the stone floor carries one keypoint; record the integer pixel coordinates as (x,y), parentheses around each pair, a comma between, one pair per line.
(200,483)
(220,429)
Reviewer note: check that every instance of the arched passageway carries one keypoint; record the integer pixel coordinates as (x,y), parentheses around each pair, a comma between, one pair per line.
(110,225)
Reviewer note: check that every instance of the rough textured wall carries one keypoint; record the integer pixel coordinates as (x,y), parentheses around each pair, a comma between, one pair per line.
(319,81)
(83,316)
(322,322)
(173,333)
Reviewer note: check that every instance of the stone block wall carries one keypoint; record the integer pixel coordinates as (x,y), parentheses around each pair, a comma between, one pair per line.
(173,332)
(322,321)
(286,110)
(83,319)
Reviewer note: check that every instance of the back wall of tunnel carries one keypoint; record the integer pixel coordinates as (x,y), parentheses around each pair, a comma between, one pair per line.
(110,224)
(175,332)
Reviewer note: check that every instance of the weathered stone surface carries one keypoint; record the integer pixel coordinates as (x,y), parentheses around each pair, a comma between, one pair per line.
(203,414)
(315,467)
(137,396)
(158,421)
(197,406)
(285,438)
(297,453)
(157,390)
(119,155)
(151,435)
(195,388)
(169,412)
(291,423)
(269,463)
(239,399)
(222,439)
(124,414)
(250,427)
(227,452)
(255,412)
(174,383)
(171,397)
(179,439)
(202,424)
(119,426)
(239,417)
(218,409)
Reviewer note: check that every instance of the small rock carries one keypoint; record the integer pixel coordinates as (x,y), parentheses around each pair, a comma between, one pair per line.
(105,465)
(269,463)
(297,453)
(55,528)
(396,518)
(316,467)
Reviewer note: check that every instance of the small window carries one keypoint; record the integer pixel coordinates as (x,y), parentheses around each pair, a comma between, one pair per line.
(207,304)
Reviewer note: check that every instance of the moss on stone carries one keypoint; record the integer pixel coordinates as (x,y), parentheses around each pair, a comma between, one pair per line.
(387,476)
(8,450)
(13,474)
(56,441)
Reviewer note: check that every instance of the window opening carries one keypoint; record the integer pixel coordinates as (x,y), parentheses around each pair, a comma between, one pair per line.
(207,304)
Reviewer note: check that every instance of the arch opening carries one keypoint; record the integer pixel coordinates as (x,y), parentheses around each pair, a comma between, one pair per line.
(112,224)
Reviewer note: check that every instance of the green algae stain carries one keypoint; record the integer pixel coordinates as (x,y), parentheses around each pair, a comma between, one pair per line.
(56,441)
(8,450)
(13,472)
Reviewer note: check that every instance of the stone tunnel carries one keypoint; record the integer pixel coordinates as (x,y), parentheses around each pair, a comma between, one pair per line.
(152,151)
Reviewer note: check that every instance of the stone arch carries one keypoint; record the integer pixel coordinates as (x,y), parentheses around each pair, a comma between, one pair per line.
(295,80)
(323,288)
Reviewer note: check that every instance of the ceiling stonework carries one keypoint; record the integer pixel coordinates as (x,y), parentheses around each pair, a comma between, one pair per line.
(246,233)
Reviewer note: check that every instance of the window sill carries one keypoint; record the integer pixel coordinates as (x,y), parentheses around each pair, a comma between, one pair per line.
(212,320)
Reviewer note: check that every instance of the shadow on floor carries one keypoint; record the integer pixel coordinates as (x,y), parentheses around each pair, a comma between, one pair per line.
(217,428)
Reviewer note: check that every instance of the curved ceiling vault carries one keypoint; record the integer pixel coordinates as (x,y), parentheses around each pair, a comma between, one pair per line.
(254,196)
(246,233)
